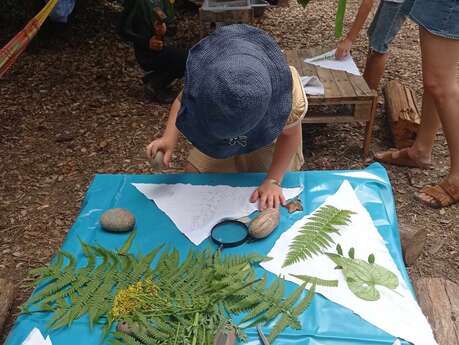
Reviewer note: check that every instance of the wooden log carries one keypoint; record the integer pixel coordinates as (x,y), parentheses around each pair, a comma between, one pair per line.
(439,300)
(402,113)
(413,241)
(6,300)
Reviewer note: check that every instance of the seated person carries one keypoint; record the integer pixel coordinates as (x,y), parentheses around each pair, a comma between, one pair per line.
(241,108)
(145,25)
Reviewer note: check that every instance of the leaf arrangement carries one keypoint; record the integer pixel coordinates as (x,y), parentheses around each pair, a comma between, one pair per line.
(314,236)
(174,301)
(362,277)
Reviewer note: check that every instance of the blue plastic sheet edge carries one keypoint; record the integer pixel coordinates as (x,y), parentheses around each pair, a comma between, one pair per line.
(323,323)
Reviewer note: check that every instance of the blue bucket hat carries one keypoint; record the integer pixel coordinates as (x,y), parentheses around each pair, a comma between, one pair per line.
(238,92)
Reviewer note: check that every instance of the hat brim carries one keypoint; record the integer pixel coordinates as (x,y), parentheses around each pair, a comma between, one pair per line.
(225,41)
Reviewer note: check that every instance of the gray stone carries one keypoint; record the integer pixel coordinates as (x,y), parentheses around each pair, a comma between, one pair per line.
(117,220)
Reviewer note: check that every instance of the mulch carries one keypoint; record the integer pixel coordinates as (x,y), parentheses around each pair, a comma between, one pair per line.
(73,107)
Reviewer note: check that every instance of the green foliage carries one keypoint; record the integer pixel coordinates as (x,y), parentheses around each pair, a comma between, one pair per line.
(175,301)
(339,21)
(304,3)
(362,277)
(314,237)
(316,281)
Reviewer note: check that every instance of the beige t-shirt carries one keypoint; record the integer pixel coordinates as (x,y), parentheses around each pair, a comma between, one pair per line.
(258,160)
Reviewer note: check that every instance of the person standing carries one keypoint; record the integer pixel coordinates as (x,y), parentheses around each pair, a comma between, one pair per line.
(388,20)
(438,22)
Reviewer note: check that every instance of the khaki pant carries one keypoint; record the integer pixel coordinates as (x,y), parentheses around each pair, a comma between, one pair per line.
(256,161)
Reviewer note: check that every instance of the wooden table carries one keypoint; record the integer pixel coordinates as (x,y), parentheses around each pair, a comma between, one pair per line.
(340,88)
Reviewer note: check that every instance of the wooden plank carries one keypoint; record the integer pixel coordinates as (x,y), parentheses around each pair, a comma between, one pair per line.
(331,89)
(345,86)
(6,300)
(361,87)
(439,300)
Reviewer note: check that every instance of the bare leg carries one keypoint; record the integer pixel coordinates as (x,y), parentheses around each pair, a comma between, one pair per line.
(439,67)
(374,69)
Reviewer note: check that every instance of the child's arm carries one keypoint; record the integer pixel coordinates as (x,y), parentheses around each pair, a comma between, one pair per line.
(269,193)
(169,140)
(344,46)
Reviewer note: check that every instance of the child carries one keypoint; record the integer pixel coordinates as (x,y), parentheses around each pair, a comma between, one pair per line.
(387,22)
(144,25)
(241,108)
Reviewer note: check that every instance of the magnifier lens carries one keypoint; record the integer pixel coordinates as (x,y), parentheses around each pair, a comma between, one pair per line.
(229,233)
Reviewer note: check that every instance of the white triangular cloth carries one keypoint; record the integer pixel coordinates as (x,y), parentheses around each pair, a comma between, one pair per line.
(327,60)
(196,209)
(395,313)
(36,338)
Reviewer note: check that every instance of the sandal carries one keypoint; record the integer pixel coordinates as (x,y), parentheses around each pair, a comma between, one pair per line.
(444,194)
(403,159)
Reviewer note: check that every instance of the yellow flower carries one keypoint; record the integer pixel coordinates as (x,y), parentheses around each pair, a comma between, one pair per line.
(130,299)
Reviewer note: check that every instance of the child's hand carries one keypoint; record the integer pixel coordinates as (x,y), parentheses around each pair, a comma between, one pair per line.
(343,49)
(160,29)
(269,195)
(163,144)
(156,44)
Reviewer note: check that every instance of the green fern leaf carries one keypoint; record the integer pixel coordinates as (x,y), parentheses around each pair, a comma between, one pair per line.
(127,245)
(314,237)
(316,281)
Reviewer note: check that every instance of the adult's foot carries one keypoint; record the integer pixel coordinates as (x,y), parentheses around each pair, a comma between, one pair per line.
(445,194)
(406,157)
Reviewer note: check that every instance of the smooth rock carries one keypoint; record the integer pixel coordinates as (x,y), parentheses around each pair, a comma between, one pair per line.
(117,220)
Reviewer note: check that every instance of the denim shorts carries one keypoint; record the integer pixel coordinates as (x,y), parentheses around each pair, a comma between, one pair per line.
(439,17)
(387,22)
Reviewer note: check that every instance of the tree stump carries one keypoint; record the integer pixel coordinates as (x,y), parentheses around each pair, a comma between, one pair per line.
(402,113)
(439,300)
(413,241)
(6,299)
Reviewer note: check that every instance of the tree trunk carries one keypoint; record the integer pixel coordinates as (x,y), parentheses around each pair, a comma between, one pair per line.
(402,113)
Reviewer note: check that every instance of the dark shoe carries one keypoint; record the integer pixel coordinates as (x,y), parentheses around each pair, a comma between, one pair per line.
(160,95)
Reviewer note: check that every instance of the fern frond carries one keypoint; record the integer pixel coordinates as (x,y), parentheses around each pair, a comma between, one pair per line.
(314,236)
(127,245)
(316,281)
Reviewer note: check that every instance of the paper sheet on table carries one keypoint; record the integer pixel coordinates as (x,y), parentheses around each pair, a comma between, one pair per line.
(327,60)
(196,209)
(36,338)
(312,86)
(396,313)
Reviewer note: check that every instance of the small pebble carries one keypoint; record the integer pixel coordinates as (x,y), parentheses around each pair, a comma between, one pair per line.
(117,220)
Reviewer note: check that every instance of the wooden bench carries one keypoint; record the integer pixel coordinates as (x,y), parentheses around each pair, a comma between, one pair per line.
(340,88)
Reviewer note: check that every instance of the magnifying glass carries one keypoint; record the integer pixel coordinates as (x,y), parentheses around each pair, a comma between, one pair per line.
(231,232)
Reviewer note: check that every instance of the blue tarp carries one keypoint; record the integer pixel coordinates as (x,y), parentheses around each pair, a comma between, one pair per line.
(324,323)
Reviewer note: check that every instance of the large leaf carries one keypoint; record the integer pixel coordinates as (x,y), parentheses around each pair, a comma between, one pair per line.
(363,277)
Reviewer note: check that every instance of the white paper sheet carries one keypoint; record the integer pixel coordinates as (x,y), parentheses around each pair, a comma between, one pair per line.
(395,313)
(36,338)
(327,60)
(312,86)
(196,209)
